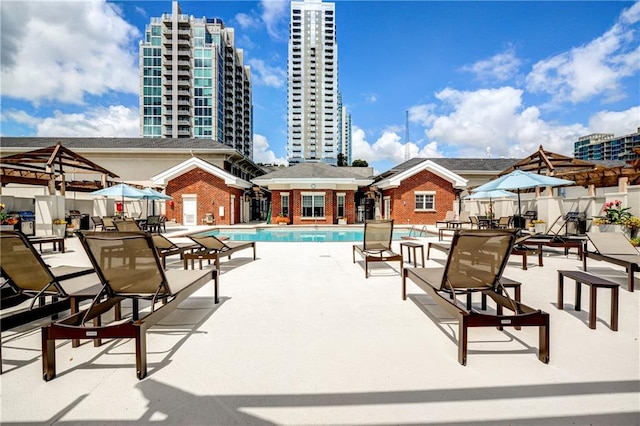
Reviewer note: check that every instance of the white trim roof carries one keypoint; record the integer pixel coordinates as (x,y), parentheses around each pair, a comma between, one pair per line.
(197,163)
(395,180)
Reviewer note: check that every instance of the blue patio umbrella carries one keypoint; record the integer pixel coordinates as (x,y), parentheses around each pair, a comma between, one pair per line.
(152,194)
(120,190)
(518,180)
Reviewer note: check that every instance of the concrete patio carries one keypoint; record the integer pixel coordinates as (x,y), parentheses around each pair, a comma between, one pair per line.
(302,338)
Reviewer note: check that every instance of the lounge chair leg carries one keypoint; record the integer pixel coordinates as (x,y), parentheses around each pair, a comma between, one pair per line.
(404,284)
(75,307)
(48,355)
(462,341)
(543,340)
(141,353)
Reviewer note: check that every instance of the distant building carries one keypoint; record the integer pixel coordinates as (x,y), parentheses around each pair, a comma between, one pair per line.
(193,82)
(606,146)
(344,135)
(312,101)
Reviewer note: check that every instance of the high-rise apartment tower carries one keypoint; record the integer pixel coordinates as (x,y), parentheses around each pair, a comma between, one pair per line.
(193,83)
(312,99)
(344,129)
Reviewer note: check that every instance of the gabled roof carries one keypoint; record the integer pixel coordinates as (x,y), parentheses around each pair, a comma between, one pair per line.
(305,173)
(103,144)
(456,165)
(197,163)
(415,165)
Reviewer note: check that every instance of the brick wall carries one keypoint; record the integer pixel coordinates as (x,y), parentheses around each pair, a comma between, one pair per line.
(403,199)
(295,207)
(211,193)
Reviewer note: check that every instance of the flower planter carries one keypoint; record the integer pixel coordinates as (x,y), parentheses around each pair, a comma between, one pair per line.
(7,227)
(610,228)
(540,228)
(59,230)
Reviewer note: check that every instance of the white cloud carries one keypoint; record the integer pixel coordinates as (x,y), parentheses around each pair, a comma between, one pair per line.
(423,114)
(246,21)
(113,121)
(593,69)
(619,123)
(62,51)
(496,118)
(262,154)
(275,14)
(388,148)
(500,67)
(265,75)
(370,98)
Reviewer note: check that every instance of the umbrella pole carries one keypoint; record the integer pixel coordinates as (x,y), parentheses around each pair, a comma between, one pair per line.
(520,211)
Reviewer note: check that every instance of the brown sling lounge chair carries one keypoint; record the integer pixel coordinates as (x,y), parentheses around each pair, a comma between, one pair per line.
(128,267)
(614,247)
(166,247)
(376,246)
(49,290)
(475,262)
(211,247)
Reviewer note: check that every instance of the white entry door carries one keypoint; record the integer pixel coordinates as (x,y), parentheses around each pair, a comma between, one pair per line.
(190,211)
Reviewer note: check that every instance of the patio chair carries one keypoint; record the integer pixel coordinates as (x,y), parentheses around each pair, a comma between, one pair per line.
(51,290)
(108,224)
(376,246)
(613,247)
(213,248)
(126,225)
(166,248)
(504,222)
(475,262)
(97,222)
(153,224)
(449,217)
(132,272)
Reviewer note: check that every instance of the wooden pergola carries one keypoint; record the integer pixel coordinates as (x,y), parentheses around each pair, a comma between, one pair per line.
(49,167)
(583,173)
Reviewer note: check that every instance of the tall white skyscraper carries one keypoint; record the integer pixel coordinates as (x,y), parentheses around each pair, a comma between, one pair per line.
(312,99)
(193,82)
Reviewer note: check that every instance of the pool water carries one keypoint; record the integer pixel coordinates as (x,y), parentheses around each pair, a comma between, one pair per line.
(290,234)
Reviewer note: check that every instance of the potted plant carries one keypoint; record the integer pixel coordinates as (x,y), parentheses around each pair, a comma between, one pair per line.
(59,227)
(539,226)
(7,223)
(632,223)
(281,220)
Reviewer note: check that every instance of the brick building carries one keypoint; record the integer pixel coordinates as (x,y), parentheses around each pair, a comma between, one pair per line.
(315,193)
(419,191)
(204,193)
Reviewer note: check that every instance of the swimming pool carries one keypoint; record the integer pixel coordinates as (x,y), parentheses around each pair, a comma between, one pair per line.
(298,234)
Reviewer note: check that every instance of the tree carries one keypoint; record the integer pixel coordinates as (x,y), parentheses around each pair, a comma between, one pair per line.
(360,163)
(342,161)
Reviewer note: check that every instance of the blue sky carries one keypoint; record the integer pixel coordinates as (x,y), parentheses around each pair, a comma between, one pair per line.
(478,79)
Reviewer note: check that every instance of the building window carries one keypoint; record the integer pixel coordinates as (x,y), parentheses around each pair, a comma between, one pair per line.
(425,201)
(340,205)
(284,205)
(312,205)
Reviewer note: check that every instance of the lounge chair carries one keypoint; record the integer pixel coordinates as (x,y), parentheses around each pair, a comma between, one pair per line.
(213,248)
(613,247)
(50,290)
(132,272)
(450,216)
(475,262)
(166,248)
(376,246)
